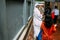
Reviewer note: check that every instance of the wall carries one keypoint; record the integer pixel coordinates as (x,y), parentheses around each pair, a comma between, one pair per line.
(14,12)
(3,21)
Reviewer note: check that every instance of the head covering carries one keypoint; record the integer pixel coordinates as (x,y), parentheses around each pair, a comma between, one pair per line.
(38,4)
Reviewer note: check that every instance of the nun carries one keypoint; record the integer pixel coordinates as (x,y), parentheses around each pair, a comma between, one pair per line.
(37,20)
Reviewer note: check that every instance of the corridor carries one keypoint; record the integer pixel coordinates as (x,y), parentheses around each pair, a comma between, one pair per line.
(16,19)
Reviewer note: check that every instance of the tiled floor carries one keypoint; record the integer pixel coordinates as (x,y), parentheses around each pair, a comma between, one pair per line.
(31,34)
(57,33)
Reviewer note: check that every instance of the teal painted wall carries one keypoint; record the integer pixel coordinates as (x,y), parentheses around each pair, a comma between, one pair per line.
(11,18)
(14,12)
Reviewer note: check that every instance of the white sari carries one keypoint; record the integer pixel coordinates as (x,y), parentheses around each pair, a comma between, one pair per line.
(37,20)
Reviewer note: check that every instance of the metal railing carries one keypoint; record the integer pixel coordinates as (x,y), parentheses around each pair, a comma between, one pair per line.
(25,31)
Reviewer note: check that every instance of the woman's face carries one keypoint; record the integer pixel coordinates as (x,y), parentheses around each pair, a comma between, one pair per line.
(41,7)
(37,6)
